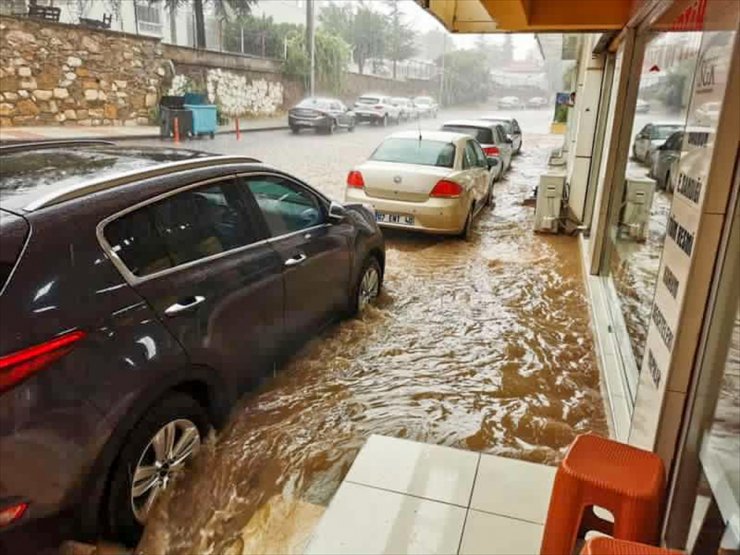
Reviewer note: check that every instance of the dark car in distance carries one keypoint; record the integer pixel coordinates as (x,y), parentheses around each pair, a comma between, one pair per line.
(321,114)
(141,289)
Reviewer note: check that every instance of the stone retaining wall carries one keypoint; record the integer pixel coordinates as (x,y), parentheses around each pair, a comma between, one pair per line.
(55,73)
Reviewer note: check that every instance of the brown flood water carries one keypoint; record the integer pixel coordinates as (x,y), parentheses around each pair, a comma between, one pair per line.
(483,346)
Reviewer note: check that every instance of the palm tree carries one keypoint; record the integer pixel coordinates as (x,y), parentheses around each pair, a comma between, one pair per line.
(224,9)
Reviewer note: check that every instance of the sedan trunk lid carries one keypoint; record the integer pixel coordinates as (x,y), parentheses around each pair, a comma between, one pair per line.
(396,181)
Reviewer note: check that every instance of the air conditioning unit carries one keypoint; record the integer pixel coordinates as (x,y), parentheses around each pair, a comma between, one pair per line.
(638,200)
(549,202)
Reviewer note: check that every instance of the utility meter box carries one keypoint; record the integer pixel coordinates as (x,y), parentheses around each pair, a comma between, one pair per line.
(638,201)
(549,202)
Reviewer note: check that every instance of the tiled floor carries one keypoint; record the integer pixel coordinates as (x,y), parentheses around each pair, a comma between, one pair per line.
(406,497)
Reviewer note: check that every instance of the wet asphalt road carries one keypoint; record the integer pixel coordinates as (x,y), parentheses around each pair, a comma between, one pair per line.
(482,345)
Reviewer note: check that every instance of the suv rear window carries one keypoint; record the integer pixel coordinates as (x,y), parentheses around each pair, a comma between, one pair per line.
(414,151)
(13,233)
(368,100)
(483,135)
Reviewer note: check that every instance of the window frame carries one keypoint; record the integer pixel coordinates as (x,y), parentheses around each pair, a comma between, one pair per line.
(482,159)
(468,143)
(131,278)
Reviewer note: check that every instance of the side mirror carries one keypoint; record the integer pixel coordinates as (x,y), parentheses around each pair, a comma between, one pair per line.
(492,162)
(509,139)
(337,212)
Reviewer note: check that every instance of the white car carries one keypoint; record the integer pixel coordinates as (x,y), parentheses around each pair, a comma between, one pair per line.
(426,106)
(537,102)
(708,113)
(642,106)
(406,106)
(429,181)
(377,108)
(651,137)
(510,103)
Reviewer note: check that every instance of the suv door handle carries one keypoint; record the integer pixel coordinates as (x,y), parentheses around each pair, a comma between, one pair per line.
(187,304)
(294,261)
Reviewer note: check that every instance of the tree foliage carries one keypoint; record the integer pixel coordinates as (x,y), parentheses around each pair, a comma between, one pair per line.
(332,56)
(224,9)
(401,37)
(465,78)
(260,35)
(363,28)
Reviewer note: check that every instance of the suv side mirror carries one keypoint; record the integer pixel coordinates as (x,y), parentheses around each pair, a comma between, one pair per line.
(337,212)
(509,139)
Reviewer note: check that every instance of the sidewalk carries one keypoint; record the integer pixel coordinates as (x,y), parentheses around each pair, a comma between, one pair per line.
(121,133)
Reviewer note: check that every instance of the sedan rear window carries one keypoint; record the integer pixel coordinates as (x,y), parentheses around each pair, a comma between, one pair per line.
(483,135)
(664,131)
(320,103)
(415,151)
(368,100)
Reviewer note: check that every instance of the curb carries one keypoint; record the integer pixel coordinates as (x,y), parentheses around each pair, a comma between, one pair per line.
(137,137)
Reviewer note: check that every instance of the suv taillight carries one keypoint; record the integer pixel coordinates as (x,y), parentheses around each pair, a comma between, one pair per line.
(491,150)
(355,180)
(446,189)
(16,367)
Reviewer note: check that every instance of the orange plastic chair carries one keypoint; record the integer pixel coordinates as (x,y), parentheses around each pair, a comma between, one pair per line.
(610,546)
(626,481)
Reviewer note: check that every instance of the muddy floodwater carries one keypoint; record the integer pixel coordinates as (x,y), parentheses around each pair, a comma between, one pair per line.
(483,346)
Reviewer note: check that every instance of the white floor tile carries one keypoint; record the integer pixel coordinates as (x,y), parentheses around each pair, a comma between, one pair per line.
(429,471)
(513,488)
(487,534)
(361,519)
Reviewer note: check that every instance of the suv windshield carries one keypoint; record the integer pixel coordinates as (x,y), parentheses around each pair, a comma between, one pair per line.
(481,134)
(414,151)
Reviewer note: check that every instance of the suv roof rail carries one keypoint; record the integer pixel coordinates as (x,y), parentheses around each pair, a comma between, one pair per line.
(34,145)
(96,185)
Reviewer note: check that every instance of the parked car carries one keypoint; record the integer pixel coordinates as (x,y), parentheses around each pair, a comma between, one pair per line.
(537,102)
(378,109)
(510,103)
(142,289)
(433,182)
(492,139)
(426,106)
(708,113)
(651,137)
(511,126)
(663,158)
(407,109)
(321,114)
(642,106)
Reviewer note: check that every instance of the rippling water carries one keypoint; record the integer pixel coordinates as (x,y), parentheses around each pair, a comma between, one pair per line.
(483,346)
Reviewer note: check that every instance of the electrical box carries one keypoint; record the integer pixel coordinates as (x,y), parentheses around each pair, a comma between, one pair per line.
(549,202)
(638,201)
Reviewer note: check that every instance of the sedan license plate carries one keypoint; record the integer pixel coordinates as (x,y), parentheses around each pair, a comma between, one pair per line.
(388,218)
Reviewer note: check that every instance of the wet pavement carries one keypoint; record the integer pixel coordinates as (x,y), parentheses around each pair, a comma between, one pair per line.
(483,345)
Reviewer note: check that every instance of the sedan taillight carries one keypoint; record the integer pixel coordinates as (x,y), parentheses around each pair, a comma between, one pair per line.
(355,180)
(491,150)
(16,367)
(446,189)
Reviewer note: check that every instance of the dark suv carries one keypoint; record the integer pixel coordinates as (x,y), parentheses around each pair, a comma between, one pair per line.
(140,290)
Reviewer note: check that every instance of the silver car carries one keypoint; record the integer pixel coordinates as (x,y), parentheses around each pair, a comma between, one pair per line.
(492,138)
(430,181)
(663,161)
(651,137)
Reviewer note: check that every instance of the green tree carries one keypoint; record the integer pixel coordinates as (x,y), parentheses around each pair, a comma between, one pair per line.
(466,79)
(363,28)
(257,35)
(224,9)
(401,43)
(332,56)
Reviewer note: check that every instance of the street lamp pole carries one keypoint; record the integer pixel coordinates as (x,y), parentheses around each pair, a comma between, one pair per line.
(311,44)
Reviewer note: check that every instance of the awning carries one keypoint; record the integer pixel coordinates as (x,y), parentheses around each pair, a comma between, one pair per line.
(490,16)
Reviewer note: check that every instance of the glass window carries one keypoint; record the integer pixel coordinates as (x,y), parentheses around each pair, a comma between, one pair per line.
(470,160)
(500,134)
(515,126)
(414,151)
(190,225)
(286,206)
(480,134)
(480,155)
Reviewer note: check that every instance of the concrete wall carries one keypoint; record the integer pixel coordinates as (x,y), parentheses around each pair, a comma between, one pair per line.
(356,85)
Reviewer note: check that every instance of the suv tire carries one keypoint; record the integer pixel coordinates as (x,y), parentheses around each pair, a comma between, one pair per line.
(176,407)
